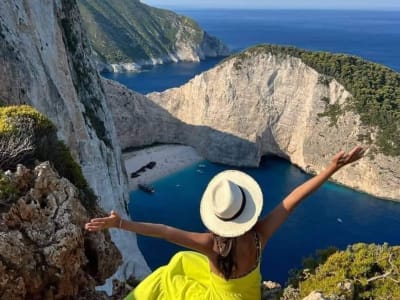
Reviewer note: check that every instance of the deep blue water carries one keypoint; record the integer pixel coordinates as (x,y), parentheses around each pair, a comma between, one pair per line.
(334,215)
(372,35)
(315,223)
(162,77)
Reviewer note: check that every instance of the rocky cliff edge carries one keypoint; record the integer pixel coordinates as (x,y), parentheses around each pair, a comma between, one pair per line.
(255,105)
(44,251)
(44,62)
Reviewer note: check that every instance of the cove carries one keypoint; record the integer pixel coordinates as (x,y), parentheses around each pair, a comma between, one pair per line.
(333,216)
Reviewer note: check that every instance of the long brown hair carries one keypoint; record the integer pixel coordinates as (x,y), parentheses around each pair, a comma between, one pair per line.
(226,253)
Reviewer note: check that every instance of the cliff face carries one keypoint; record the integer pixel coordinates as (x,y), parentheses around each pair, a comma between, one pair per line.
(128,34)
(138,120)
(44,62)
(261,104)
(45,252)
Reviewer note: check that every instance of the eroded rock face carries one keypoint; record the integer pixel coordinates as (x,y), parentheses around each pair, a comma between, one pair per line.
(248,107)
(44,59)
(138,120)
(45,62)
(45,252)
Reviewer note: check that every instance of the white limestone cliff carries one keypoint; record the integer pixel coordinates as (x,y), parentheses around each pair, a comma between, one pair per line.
(248,107)
(45,62)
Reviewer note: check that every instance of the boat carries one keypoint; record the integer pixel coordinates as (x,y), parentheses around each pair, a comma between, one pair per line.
(146,188)
(134,175)
(151,165)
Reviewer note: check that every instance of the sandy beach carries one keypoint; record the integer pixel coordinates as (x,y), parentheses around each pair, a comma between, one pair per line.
(168,159)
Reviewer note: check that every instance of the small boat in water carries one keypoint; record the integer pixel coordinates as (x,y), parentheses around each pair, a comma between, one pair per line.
(146,188)
(151,165)
(134,175)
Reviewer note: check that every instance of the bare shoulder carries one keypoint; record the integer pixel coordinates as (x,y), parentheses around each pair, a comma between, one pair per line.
(262,233)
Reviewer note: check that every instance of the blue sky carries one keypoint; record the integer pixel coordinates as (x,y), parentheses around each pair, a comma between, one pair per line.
(285,4)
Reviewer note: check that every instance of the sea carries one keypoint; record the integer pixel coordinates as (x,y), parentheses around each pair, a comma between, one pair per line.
(332,216)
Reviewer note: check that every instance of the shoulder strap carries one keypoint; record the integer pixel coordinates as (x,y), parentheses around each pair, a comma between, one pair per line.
(258,245)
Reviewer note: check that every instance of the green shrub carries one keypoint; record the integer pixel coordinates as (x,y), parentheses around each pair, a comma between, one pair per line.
(19,127)
(333,111)
(9,115)
(126,31)
(68,168)
(373,271)
(46,146)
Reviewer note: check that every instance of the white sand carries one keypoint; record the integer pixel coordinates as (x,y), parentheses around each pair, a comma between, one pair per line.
(168,158)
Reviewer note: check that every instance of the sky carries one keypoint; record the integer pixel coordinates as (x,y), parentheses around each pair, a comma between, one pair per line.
(281,4)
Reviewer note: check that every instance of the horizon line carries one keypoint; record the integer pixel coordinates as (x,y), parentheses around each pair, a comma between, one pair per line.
(383,9)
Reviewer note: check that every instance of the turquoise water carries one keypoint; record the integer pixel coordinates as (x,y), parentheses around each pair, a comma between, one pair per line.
(316,223)
(313,225)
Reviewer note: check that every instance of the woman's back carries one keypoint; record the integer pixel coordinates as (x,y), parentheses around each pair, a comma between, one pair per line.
(245,252)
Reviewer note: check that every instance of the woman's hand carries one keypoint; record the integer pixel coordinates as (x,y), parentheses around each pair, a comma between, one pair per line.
(342,158)
(268,225)
(112,221)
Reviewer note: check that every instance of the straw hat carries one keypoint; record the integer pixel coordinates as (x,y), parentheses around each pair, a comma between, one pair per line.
(231,204)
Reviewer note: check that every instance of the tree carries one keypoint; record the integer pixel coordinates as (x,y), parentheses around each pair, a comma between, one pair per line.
(361,272)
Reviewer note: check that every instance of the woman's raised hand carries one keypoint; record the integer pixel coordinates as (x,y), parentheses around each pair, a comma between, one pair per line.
(342,158)
(104,223)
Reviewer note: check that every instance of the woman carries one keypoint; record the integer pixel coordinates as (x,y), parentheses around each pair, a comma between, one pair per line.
(226,261)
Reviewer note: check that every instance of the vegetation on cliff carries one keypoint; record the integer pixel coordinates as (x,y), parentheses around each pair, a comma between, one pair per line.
(375,89)
(9,192)
(25,136)
(130,31)
(362,271)
(84,77)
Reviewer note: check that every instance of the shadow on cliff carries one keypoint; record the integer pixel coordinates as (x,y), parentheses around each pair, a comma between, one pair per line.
(141,122)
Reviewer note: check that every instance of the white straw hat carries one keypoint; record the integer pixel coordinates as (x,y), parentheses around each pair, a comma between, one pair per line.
(231,203)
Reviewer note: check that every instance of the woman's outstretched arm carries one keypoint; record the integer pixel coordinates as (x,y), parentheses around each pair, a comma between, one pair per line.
(202,242)
(268,225)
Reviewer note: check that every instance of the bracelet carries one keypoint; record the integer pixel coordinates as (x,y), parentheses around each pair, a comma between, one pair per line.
(120,223)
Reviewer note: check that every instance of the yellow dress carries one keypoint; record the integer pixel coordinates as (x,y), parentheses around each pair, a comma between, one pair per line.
(188,277)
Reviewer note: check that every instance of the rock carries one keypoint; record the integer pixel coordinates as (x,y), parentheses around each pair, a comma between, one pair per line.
(271,285)
(138,120)
(161,36)
(45,251)
(319,296)
(269,105)
(271,290)
(316,296)
(45,62)
(290,293)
